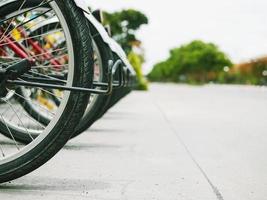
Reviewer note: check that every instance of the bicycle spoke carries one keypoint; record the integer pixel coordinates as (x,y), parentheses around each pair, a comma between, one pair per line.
(21,13)
(28,99)
(47,66)
(37,55)
(10,105)
(46,91)
(46,76)
(28,28)
(32,37)
(2,151)
(9,131)
(23,3)
(31,119)
(25,30)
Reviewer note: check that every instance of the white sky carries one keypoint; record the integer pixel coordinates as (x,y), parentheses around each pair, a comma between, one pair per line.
(239,27)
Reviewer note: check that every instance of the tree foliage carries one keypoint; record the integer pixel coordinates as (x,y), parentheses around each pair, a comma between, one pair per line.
(196,62)
(124,25)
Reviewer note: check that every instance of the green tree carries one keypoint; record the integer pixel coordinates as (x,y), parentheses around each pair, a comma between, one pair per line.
(196,62)
(124,25)
(136,61)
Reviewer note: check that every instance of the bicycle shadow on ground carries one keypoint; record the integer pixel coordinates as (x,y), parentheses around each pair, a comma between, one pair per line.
(118,115)
(76,146)
(103,130)
(31,183)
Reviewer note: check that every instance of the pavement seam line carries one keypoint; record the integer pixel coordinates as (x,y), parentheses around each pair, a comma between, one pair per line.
(173,130)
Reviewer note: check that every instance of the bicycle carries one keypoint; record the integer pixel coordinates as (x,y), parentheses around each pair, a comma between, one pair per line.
(18,160)
(62,74)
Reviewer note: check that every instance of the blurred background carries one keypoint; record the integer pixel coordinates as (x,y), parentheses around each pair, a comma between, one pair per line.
(195,42)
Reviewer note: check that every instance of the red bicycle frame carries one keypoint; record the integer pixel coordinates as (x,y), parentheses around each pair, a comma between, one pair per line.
(20,51)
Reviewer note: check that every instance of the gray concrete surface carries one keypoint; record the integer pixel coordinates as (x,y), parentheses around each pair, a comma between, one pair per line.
(175,142)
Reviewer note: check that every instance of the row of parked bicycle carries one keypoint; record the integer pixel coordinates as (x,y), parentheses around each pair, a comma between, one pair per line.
(60,71)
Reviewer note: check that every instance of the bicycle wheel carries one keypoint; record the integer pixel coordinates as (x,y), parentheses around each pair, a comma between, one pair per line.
(16,159)
(98,103)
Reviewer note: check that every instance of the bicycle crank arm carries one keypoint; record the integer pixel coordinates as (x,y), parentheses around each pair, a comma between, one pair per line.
(12,73)
(15,71)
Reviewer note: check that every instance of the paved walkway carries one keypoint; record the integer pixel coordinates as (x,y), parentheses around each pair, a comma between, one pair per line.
(172,143)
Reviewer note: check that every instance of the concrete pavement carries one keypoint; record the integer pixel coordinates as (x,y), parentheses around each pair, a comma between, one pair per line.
(174,142)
